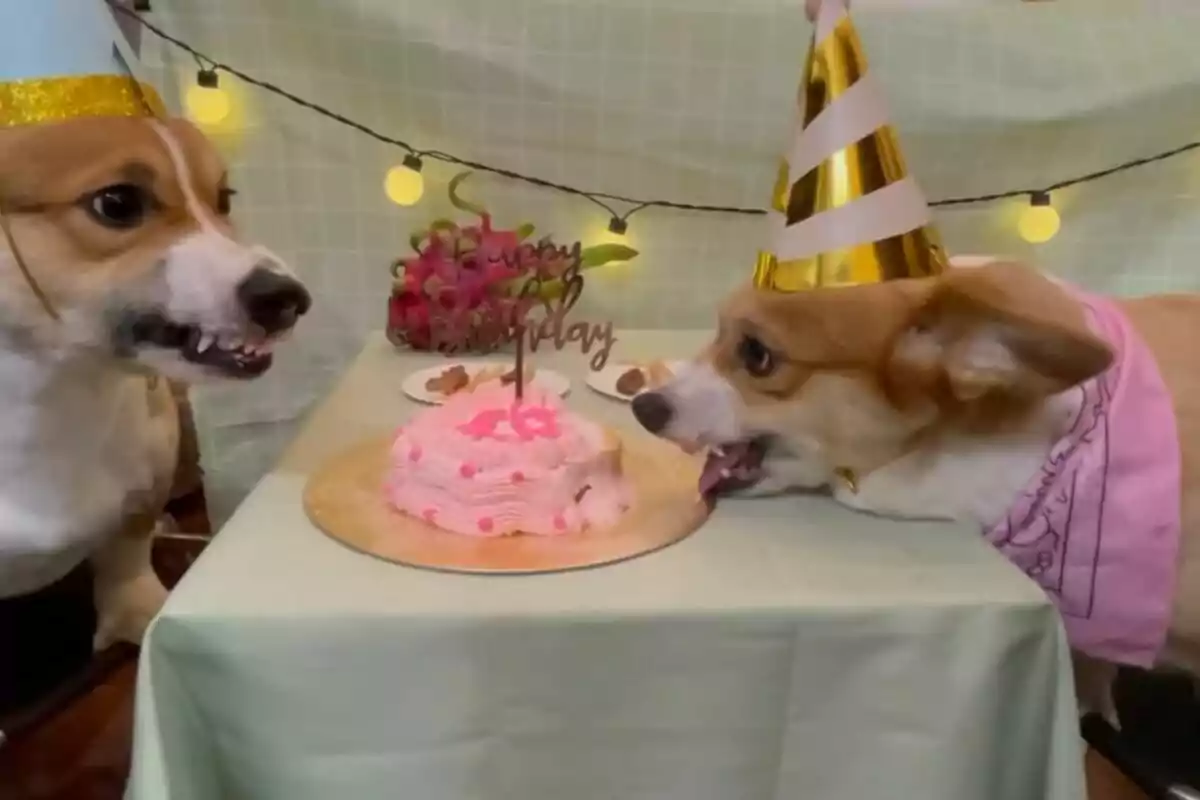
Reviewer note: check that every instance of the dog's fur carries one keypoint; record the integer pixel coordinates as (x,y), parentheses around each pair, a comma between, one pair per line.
(89,433)
(942,396)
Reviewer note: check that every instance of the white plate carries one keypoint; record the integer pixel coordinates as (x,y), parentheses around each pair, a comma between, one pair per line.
(414,384)
(605,380)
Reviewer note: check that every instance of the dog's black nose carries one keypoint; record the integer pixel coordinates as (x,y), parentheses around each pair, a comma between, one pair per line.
(652,410)
(273,301)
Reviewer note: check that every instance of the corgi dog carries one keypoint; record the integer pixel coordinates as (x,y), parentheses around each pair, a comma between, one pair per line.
(119,265)
(1066,426)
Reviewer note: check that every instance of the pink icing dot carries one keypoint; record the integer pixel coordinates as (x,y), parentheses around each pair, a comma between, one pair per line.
(467,469)
(415,453)
(518,476)
(559,522)
(429,514)
(485,524)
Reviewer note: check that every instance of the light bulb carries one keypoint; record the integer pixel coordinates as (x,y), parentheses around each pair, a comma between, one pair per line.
(404,184)
(618,226)
(1039,221)
(207,106)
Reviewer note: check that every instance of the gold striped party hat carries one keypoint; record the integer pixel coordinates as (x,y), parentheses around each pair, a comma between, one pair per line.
(844,210)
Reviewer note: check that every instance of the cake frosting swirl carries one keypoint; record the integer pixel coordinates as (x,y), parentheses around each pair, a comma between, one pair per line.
(486,464)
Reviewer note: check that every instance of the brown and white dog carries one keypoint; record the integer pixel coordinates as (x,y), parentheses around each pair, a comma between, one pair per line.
(121,225)
(926,398)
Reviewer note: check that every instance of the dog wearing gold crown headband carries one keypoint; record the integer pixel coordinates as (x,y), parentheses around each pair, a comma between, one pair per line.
(119,264)
(1065,425)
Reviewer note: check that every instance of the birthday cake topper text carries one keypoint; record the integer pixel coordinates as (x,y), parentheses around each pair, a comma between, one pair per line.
(539,314)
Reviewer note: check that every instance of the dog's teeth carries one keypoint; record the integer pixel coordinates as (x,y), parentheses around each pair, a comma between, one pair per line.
(719,452)
(206,341)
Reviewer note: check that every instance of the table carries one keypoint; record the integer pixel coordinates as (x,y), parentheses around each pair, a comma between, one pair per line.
(789,650)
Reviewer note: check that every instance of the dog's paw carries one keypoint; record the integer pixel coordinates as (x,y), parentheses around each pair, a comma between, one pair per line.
(124,612)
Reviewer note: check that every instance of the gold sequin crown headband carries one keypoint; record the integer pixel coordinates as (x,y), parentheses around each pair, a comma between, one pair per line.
(42,100)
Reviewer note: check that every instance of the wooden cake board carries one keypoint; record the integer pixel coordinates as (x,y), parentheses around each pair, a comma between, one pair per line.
(344,498)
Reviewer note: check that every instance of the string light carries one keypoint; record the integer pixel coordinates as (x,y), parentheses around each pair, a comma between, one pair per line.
(404,184)
(1040,214)
(207,103)
(1039,221)
(618,226)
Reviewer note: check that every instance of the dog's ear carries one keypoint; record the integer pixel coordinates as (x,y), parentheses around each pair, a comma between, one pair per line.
(997,330)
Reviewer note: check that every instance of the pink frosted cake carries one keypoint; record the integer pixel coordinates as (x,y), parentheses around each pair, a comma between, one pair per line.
(485,465)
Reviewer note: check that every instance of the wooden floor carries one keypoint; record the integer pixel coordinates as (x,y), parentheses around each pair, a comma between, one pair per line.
(1105,783)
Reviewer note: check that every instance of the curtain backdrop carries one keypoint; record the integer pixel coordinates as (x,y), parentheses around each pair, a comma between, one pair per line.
(676,99)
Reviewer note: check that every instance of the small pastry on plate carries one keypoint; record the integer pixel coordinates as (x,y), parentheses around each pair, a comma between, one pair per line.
(489,373)
(631,382)
(638,378)
(452,380)
(510,377)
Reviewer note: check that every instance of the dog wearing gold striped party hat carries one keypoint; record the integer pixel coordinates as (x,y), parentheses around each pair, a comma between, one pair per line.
(861,361)
(118,264)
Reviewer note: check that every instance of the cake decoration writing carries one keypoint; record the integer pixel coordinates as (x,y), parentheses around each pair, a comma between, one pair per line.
(519,421)
(538,313)
(461,289)
(553,325)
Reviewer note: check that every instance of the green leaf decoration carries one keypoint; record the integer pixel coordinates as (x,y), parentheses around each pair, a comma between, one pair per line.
(552,288)
(458,202)
(443,225)
(416,239)
(605,254)
(524,231)
(549,290)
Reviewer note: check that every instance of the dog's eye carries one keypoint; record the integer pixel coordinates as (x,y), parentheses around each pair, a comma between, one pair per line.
(756,357)
(225,201)
(121,206)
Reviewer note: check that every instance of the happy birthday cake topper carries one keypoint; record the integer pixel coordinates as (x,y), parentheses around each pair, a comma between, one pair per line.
(538,314)
(553,327)
(468,287)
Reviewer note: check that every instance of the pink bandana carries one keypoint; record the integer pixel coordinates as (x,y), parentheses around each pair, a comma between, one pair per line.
(1098,527)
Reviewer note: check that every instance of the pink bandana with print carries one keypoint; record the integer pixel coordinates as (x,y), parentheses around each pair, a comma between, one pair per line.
(1098,527)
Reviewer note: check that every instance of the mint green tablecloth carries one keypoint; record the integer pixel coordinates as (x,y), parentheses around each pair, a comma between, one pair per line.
(790,650)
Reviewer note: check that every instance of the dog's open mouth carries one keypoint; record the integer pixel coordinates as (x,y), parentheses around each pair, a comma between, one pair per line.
(733,466)
(235,358)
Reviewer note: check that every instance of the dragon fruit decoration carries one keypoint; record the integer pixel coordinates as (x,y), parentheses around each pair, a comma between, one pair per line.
(460,290)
